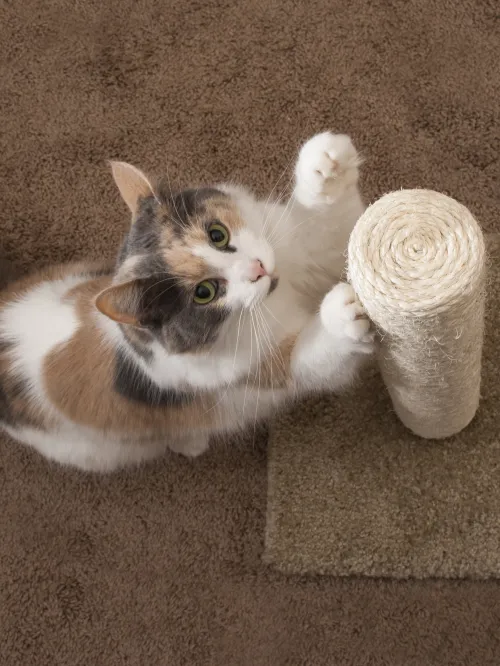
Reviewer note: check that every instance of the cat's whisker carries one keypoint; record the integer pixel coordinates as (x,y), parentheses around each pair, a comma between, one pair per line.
(271,236)
(273,316)
(172,197)
(258,388)
(185,208)
(290,232)
(152,286)
(286,190)
(260,328)
(276,354)
(229,383)
(250,362)
(284,215)
(271,355)
(278,199)
(273,348)
(160,295)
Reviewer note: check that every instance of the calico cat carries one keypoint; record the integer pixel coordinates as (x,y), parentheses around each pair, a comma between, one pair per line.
(218,310)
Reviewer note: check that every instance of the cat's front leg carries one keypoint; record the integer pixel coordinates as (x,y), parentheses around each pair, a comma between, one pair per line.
(326,170)
(345,319)
(331,349)
(327,206)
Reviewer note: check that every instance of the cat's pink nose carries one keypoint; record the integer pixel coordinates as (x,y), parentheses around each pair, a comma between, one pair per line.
(256,270)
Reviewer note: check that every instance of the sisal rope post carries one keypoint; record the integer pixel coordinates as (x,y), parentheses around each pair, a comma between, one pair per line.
(417,262)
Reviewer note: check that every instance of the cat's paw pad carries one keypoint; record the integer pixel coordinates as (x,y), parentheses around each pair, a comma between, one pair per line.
(344,317)
(327,165)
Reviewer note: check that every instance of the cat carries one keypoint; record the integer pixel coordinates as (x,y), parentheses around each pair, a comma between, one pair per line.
(219,309)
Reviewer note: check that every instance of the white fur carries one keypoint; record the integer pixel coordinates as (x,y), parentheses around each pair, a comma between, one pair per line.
(304,241)
(86,448)
(37,322)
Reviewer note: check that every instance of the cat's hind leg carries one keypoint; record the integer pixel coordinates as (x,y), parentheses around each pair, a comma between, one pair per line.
(85,449)
(191,446)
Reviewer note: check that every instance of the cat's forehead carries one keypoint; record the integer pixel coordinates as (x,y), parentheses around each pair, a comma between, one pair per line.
(169,227)
(186,216)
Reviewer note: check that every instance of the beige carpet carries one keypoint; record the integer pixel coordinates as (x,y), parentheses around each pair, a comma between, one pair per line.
(351,491)
(163,566)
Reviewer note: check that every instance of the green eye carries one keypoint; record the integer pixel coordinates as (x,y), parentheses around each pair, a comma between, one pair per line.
(219,235)
(205,292)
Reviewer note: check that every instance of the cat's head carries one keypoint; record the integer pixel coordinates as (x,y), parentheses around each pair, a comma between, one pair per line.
(190,263)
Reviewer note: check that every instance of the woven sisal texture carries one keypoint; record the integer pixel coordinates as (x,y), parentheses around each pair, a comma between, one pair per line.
(417,263)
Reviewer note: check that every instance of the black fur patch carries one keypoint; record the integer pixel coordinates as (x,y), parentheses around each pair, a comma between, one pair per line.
(132,383)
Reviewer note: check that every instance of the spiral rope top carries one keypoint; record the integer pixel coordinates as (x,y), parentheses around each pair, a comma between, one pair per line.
(415,252)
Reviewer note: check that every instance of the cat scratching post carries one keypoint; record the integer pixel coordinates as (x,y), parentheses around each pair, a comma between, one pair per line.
(417,262)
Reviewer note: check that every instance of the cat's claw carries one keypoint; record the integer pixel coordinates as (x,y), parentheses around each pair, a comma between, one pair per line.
(345,318)
(327,165)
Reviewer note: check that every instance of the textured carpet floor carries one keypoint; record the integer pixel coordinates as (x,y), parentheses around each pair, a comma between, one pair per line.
(163,566)
(351,491)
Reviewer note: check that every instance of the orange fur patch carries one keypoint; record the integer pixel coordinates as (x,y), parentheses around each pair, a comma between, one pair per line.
(186,265)
(225,211)
(21,409)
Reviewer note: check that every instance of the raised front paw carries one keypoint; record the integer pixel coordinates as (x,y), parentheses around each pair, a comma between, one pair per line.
(344,317)
(327,166)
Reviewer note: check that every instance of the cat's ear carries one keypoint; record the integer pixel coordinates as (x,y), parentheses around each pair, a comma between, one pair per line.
(131,182)
(121,302)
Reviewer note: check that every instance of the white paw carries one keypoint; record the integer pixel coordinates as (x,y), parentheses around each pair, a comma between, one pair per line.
(192,447)
(327,165)
(345,318)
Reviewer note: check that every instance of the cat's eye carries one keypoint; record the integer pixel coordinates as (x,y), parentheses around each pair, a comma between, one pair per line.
(205,292)
(219,235)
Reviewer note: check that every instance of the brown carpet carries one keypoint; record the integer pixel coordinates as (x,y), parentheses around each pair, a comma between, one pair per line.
(351,491)
(163,566)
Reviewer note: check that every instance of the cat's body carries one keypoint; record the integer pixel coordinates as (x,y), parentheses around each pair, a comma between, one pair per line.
(219,310)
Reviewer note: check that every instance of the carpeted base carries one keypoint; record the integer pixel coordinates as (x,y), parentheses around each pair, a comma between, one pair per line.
(351,491)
